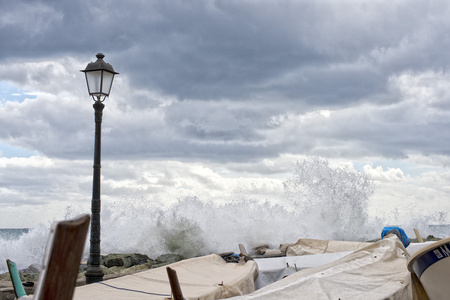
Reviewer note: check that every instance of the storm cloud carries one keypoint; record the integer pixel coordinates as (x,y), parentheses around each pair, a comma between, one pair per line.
(227,85)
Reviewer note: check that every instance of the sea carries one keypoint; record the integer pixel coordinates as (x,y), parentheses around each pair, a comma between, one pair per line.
(192,227)
(11,234)
(330,208)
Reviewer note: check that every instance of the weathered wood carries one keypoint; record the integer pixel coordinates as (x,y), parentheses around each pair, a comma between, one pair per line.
(62,260)
(419,238)
(174,284)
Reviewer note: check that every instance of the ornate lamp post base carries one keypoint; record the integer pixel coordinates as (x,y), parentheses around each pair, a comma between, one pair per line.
(94,274)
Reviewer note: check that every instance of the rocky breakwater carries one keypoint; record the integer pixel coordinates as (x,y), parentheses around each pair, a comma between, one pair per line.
(113,265)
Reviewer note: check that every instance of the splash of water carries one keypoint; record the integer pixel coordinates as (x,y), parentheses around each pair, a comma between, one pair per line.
(28,249)
(319,201)
(333,199)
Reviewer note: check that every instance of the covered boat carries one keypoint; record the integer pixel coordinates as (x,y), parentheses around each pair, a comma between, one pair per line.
(276,268)
(204,278)
(377,271)
(313,246)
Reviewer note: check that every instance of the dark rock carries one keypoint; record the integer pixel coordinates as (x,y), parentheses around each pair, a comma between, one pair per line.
(129,261)
(138,268)
(169,258)
(432,238)
(125,260)
(135,260)
(34,268)
(114,270)
(113,260)
(29,276)
(142,258)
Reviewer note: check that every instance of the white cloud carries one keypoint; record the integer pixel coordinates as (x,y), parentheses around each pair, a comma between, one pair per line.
(217,96)
(45,76)
(390,175)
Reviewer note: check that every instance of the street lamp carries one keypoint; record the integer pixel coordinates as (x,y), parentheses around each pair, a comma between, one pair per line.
(99,79)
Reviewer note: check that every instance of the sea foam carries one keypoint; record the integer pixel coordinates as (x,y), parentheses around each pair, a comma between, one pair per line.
(317,202)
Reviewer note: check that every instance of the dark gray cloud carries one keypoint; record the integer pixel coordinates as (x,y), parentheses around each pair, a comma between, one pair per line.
(229,80)
(336,53)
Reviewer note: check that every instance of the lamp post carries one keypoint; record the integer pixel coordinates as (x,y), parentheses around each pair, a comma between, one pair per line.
(99,79)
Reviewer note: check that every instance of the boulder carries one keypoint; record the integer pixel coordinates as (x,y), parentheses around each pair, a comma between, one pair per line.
(135,260)
(113,260)
(138,268)
(125,260)
(34,268)
(431,238)
(169,258)
(30,277)
(114,270)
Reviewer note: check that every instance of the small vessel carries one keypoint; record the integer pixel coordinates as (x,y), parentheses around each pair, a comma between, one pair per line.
(376,271)
(206,277)
(430,267)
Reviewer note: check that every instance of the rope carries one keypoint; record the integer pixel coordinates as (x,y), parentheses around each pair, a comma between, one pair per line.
(136,291)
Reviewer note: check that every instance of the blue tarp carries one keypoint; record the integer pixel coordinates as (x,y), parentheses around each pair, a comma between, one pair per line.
(400,233)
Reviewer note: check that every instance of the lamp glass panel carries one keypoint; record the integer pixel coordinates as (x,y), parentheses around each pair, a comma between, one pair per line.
(94,82)
(107,82)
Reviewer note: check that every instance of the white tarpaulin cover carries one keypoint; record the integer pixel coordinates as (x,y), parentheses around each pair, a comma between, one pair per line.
(204,278)
(377,271)
(414,247)
(312,246)
(276,268)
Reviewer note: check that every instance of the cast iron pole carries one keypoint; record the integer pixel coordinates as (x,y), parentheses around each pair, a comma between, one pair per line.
(94,273)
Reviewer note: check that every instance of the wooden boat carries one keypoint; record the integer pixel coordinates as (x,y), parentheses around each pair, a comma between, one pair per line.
(203,278)
(377,271)
(431,266)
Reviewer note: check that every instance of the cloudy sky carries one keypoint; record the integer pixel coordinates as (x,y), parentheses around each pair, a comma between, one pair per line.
(218,99)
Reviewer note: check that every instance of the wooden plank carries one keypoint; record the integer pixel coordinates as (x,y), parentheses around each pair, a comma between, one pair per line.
(15,279)
(174,284)
(419,238)
(62,260)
